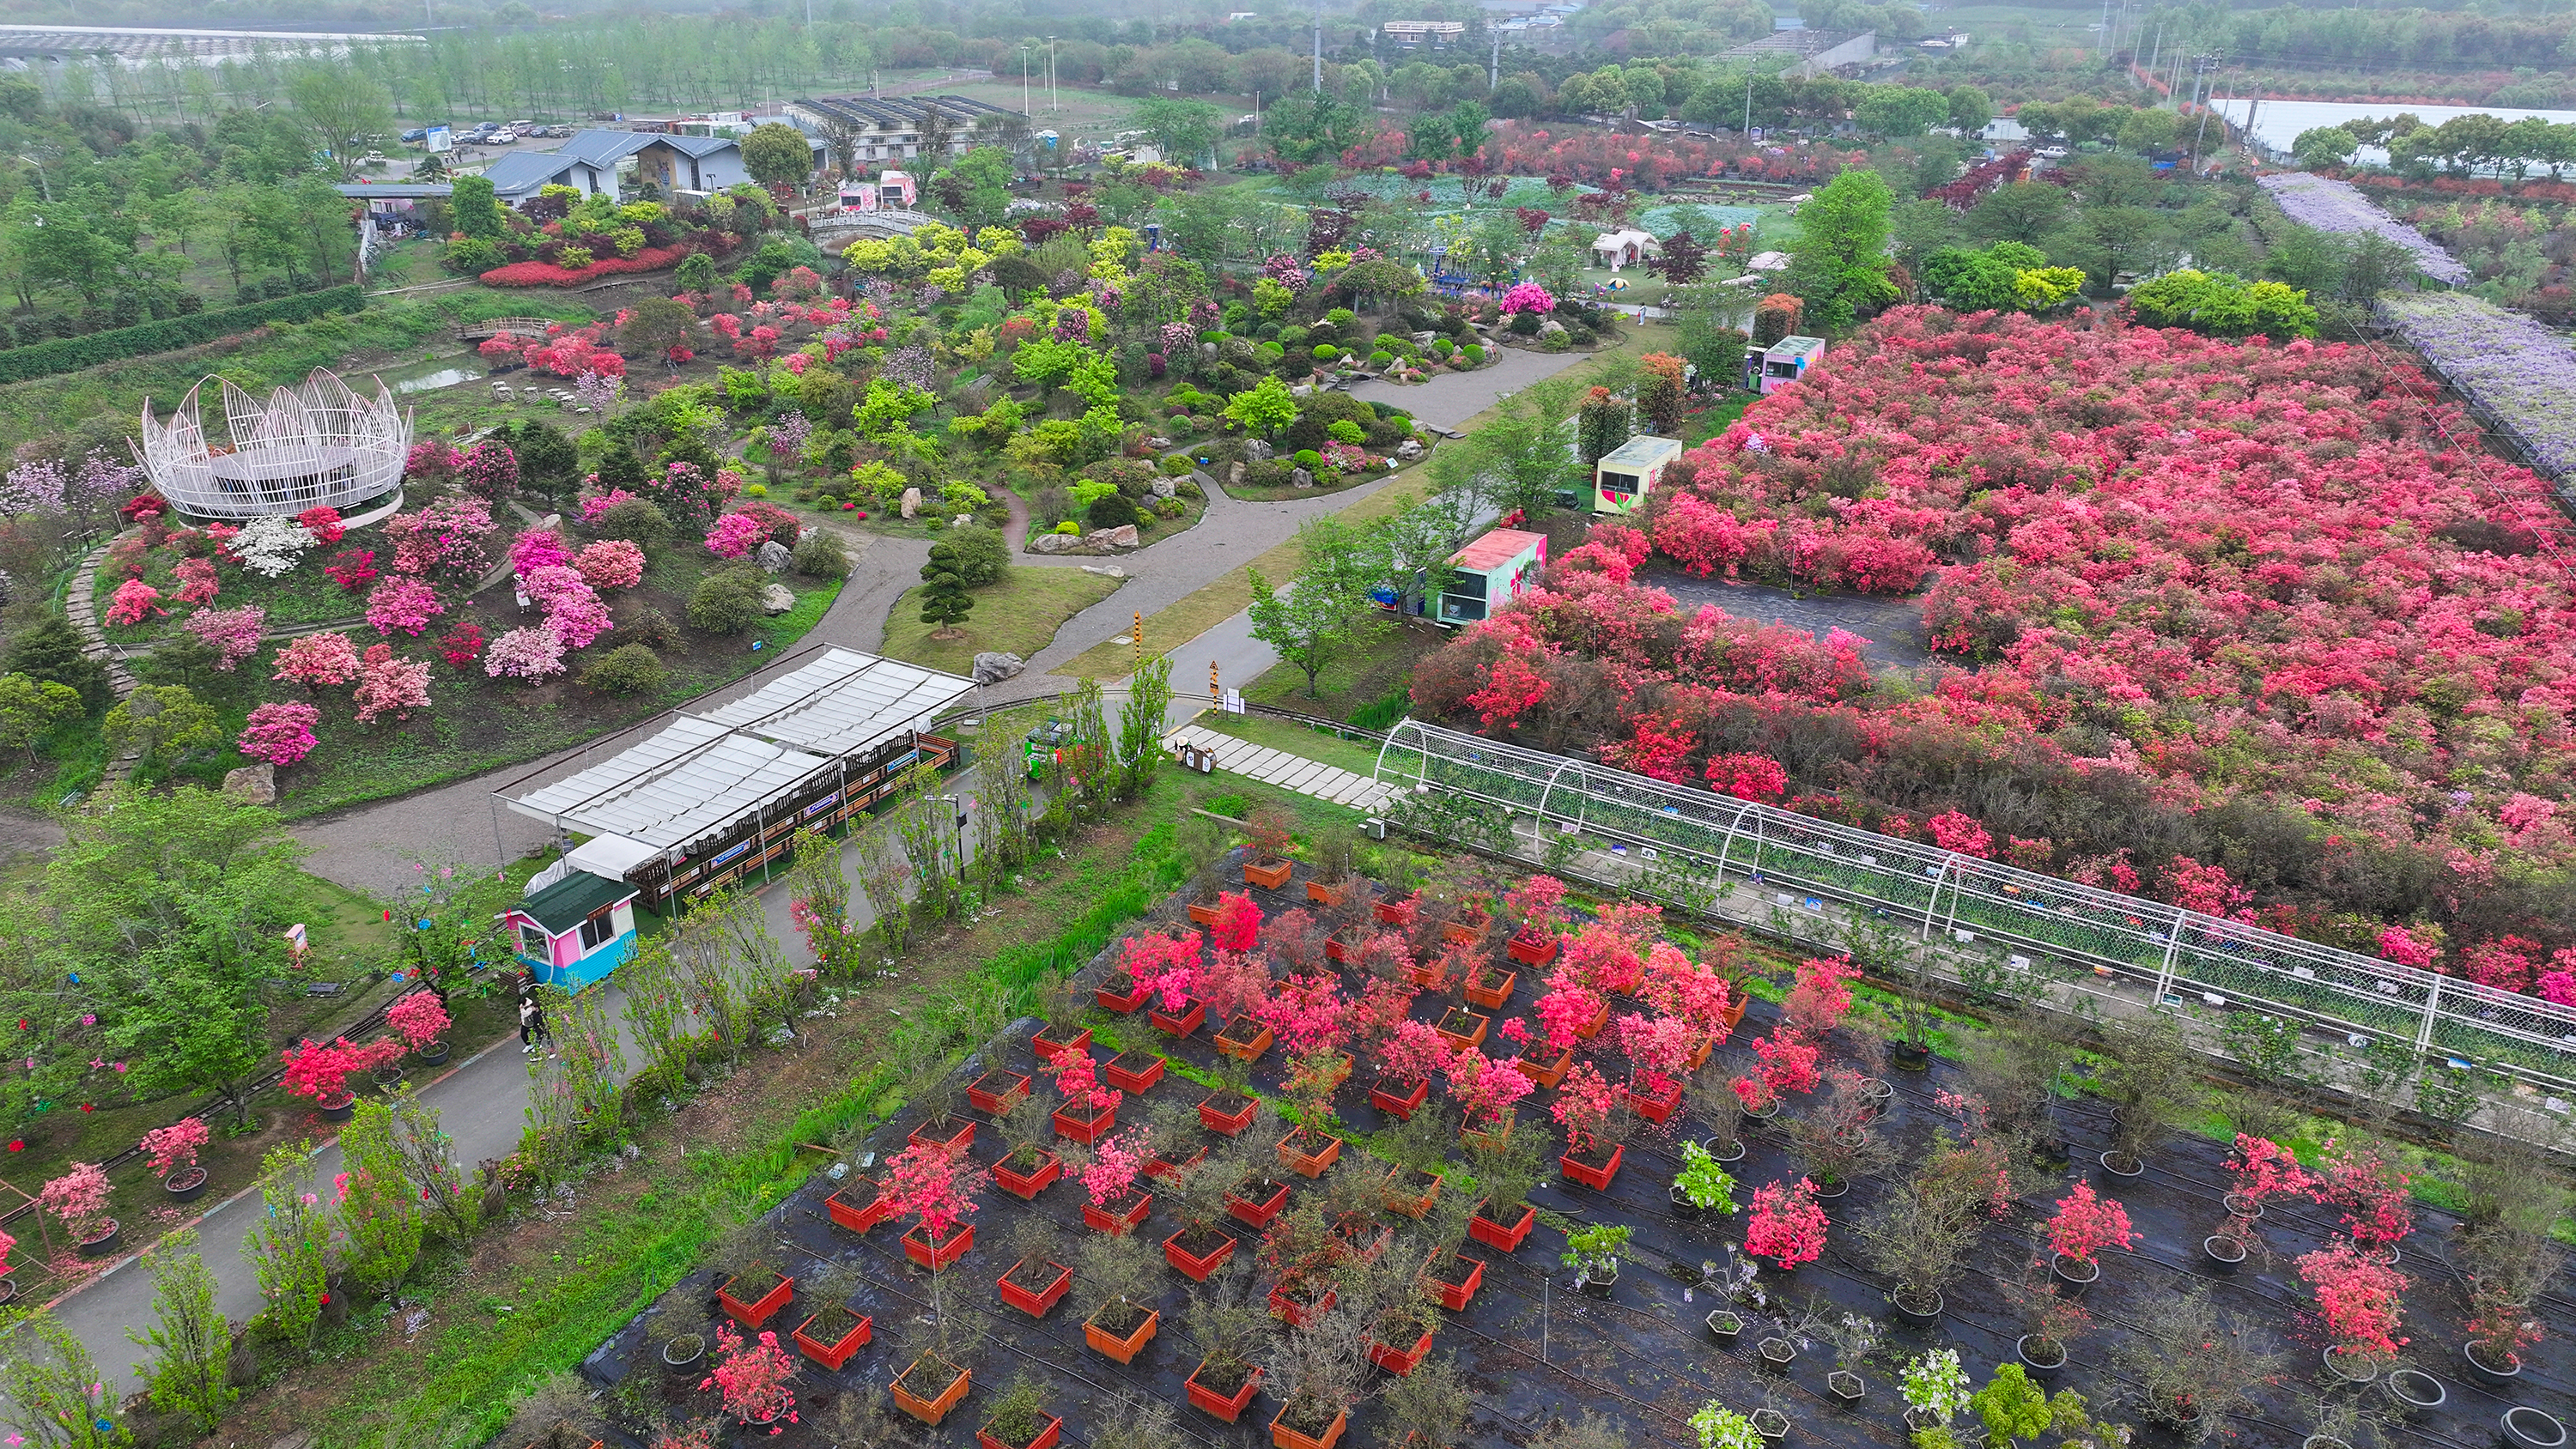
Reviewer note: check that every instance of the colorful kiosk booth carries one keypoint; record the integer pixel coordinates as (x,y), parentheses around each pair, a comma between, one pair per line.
(1491,572)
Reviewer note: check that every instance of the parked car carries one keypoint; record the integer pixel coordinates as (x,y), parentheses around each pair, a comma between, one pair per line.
(416,134)
(503,137)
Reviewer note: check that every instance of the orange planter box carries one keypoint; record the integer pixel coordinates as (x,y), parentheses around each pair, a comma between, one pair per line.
(1039,1304)
(1224,1406)
(1127,1078)
(1202,915)
(933,1409)
(1122,1349)
(1494,1235)
(859,1217)
(1532,950)
(1309,1164)
(1283,1437)
(1328,895)
(936,1256)
(1269,875)
(1227,1123)
(1399,1197)
(1471,1036)
(1657,1110)
(1046,1050)
(1400,1362)
(1293,1313)
(996,1090)
(1456,1296)
(833,1355)
(1591,1029)
(1195,1267)
(1182,1024)
(1594,1177)
(1400,1105)
(1338,950)
(1233,1043)
(1111,1001)
(958,1140)
(1395,913)
(1046,1439)
(1169,1169)
(1027,1185)
(1257,1215)
(1554,1072)
(1122,1221)
(1492,998)
(1492,1139)
(1085,1130)
(1464,931)
(752,1313)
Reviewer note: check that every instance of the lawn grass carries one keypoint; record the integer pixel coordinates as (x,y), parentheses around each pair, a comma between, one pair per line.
(1019,616)
(1355,681)
(1304,741)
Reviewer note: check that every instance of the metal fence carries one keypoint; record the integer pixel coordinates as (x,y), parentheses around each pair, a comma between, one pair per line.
(1961,901)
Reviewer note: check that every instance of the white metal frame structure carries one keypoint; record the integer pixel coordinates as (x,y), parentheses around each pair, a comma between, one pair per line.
(321,443)
(1960,901)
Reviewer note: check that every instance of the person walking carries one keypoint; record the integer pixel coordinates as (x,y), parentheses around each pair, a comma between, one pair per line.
(532,1026)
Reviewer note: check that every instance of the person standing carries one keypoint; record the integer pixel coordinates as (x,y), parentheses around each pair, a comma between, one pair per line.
(532,1026)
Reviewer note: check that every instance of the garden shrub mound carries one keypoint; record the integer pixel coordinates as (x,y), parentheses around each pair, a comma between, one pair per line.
(1643,1356)
(2242,628)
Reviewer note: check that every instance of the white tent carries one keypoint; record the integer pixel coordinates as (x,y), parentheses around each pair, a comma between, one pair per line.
(1616,249)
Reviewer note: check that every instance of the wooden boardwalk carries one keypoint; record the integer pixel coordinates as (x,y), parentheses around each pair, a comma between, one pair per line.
(1288,772)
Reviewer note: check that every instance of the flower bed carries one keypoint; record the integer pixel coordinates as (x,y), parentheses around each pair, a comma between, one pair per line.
(2340,208)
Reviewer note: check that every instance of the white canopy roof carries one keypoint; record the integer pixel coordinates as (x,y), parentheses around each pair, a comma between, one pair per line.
(844,703)
(1611,241)
(609,855)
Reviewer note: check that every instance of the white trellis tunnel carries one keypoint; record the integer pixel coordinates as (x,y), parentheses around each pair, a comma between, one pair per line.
(320,443)
(1958,900)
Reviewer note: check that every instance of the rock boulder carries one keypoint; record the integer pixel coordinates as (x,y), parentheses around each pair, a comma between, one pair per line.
(1123,536)
(1408,450)
(911,502)
(994,668)
(1053,543)
(1256,451)
(1301,478)
(777,598)
(773,557)
(252,784)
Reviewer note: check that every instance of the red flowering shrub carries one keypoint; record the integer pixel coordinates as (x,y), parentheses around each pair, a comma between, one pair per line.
(1787,1225)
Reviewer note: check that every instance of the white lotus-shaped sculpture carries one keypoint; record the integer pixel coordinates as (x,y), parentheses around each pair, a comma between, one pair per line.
(320,443)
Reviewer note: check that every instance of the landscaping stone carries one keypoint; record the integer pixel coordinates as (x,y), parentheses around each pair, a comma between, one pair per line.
(252,784)
(1234,476)
(994,668)
(911,502)
(1106,571)
(1302,478)
(778,598)
(773,557)
(1256,451)
(1053,543)
(1408,450)
(1166,487)
(1123,536)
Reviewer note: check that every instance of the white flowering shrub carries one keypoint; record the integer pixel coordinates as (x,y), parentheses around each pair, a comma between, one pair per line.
(270,546)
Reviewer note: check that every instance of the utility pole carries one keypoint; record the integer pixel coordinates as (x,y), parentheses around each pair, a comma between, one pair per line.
(1748,102)
(2103,46)
(1024,78)
(1494,67)
(2200,67)
(1053,104)
(1319,47)
(2157,52)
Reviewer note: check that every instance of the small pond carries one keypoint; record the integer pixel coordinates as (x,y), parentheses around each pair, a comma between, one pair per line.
(428,375)
(1893,627)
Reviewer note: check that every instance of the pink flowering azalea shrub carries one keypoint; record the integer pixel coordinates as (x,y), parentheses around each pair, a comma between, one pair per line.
(754,1380)
(431,460)
(313,660)
(537,548)
(1787,1224)
(1658,1048)
(595,506)
(1484,1088)
(572,607)
(419,1018)
(1565,1010)
(78,1200)
(1584,1101)
(1412,1052)
(1115,1163)
(133,602)
(175,1147)
(533,654)
(1307,1014)
(2367,1189)
(2087,1223)
(390,684)
(323,522)
(933,1184)
(320,1071)
(279,734)
(1238,922)
(402,603)
(1078,1081)
(2261,1168)
(1788,1062)
(736,534)
(2358,1297)
(197,581)
(351,568)
(1822,995)
(232,633)
(1163,966)
(1527,297)
(611,563)
(449,541)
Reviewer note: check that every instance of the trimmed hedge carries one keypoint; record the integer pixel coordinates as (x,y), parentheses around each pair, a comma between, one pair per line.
(71,354)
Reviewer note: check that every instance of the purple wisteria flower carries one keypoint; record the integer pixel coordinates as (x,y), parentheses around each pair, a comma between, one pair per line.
(2338,207)
(2521,373)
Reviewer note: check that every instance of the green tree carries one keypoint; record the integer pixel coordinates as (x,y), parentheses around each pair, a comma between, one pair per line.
(2147,130)
(290,1243)
(976,188)
(697,274)
(159,719)
(1140,726)
(2011,1407)
(1184,131)
(55,1393)
(778,155)
(2324,146)
(1264,409)
(1306,127)
(30,706)
(2307,259)
(2026,211)
(2223,304)
(190,1028)
(1602,425)
(944,600)
(1327,612)
(478,214)
(1839,262)
(342,106)
(1902,110)
(1970,109)
(192,1375)
(379,1206)
(1522,456)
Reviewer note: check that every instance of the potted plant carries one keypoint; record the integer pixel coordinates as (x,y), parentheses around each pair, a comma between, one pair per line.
(858,1204)
(2150,1084)
(1839,1137)
(1117,1278)
(1230,1106)
(935,1092)
(2050,1320)
(1198,1194)
(1331,883)
(935,1378)
(1303,1256)
(2511,1261)
(1400,1335)
(1226,1332)
(1202,844)
(1169,968)
(1135,1071)
(1230,986)
(1064,1030)
(1028,1166)
(1316,1369)
(421,1019)
(1919,1236)
(1037,1280)
(1853,1337)
(1109,1175)
(1270,833)
(1701,1187)
(1935,1389)
(1090,1110)
(2367,1188)
(677,1331)
(1786,1226)
(558,1414)
(1536,907)
(1588,1109)
(1659,1051)
(321,1073)
(754,1378)
(1429,1406)
(834,1332)
(1570,1012)
(1720,1427)
(173,1150)
(750,1288)
(1308,1151)
(1407,1058)
(1143,961)
(2191,1365)
(1019,1419)
(1714,1105)
(2260,1170)
(1448,1277)
(2358,1298)
(1487,984)
(1400,911)
(1593,1254)
(2084,1225)
(1485,1091)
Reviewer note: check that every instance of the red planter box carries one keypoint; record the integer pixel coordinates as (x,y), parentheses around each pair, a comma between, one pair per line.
(931,1410)
(1269,875)
(1283,1437)
(1257,1215)
(1293,1313)
(1657,1110)
(1353,1229)
(1599,1020)
(1123,1349)
(1181,1025)
(1111,1001)
(753,1313)
(1039,1304)
(1046,1050)
(1456,1296)
(1495,1138)
(833,1355)
(1395,913)
(1133,1079)
(1532,950)
(1027,1185)
(1401,1107)
(1328,895)
(1399,1362)
(1552,1073)
(1046,1439)
(859,1219)
(1464,932)
(1228,1123)
(1495,1235)
(936,1256)
(1197,1268)
(1085,1130)
(1202,915)
(1124,1220)
(1170,1170)
(1473,1037)
(1309,1164)
(1595,1178)
(997,1090)
(1426,975)
(1336,950)
(1249,1048)
(958,1140)
(1493,998)
(1227,1408)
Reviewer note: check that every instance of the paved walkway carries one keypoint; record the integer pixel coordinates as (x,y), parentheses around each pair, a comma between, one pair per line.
(1287,771)
(1452,398)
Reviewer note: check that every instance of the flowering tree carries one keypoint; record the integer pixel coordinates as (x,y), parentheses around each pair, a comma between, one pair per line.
(2085,1224)
(611,563)
(933,1184)
(1307,1014)
(1238,922)
(1080,1085)
(1537,904)
(1165,965)
(279,734)
(402,603)
(1231,984)
(314,660)
(1584,1102)
(2367,1189)
(78,1200)
(1412,1052)
(2262,1168)
(1484,1088)
(232,633)
(755,1379)
(1788,1062)
(134,601)
(175,1146)
(1566,1010)
(2358,1297)
(1822,995)
(388,683)
(419,1017)
(321,1072)
(1786,1225)
(1115,1162)
(533,654)
(1658,1049)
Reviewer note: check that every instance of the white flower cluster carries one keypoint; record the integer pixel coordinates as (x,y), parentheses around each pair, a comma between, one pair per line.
(271,545)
